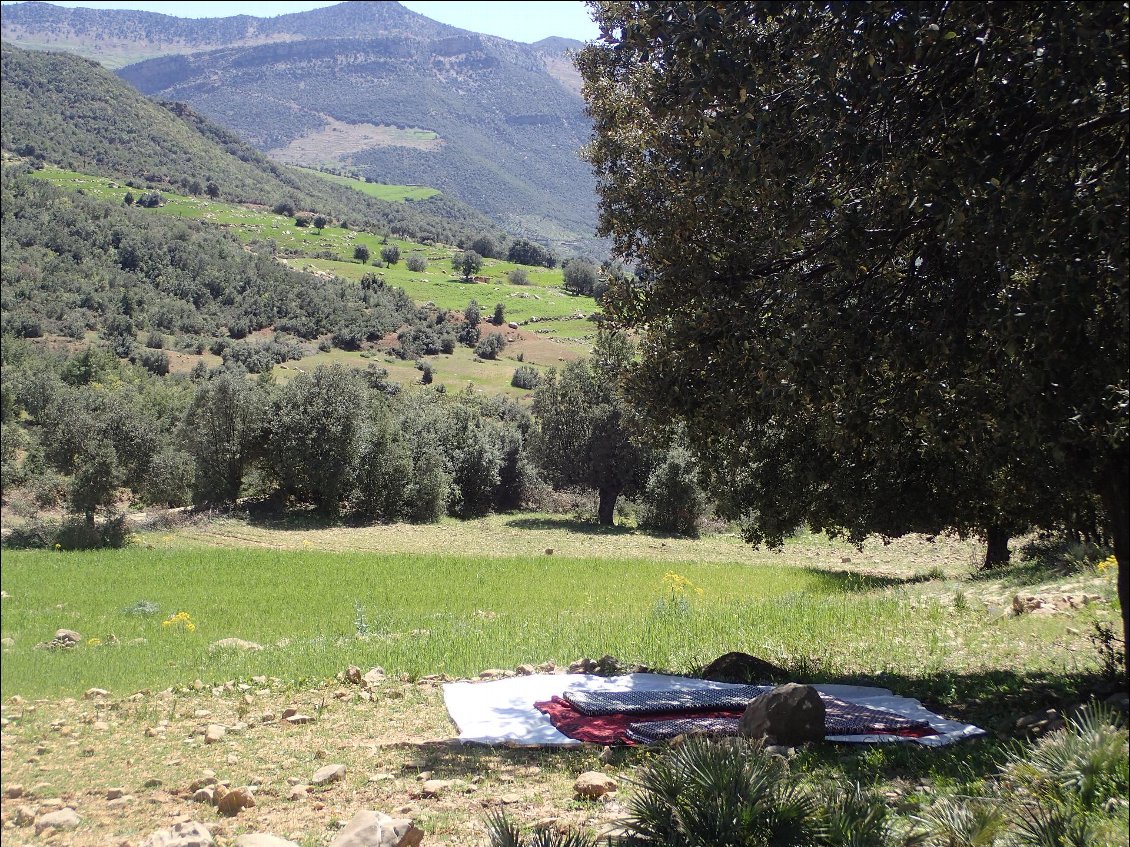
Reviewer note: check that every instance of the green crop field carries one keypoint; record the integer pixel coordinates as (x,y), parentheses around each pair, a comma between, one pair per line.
(316,611)
(392,193)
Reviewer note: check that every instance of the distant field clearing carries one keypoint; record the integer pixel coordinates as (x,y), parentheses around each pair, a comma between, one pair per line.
(338,138)
(393,193)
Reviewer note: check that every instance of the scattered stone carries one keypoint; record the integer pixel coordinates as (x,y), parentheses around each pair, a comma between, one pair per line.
(510,799)
(289,711)
(430,789)
(353,675)
(328,774)
(495,673)
(788,715)
(201,713)
(549,551)
(204,795)
(547,667)
(1040,723)
(545,824)
(153,782)
(100,726)
(24,815)
(214,733)
(296,720)
(184,834)
(742,668)
(203,782)
(525,670)
(67,635)
(585,665)
(373,677)
(375,829)
(268,717)
(298,792)
(14,791)
(606,755)
(115,793)
(592,785)
(235,644)
(91,693)
(66,818)
(235,801)
(7,642)
(263,840)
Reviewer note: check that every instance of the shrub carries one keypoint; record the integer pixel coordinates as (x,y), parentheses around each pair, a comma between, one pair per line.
(499,314)
(302,221)
(416,262)
(491,346)
(154,361)
(390,254)
(320,221)
(33,535)
(284,208)
(361,254)
(526,377)
(672,500)
(581,276)
(518,276)
(170,477)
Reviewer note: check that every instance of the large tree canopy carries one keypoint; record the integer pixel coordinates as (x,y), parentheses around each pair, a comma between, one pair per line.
(881,252)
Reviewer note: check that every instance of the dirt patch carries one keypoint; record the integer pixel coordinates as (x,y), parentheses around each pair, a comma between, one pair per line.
(151,748)
(338,140)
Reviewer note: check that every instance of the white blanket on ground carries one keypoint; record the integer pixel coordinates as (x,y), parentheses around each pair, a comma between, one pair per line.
(502,711)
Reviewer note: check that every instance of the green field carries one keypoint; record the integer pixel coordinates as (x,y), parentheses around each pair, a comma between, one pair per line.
(457,614)
(392,193)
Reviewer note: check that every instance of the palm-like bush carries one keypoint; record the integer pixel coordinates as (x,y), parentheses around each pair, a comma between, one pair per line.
(709,794)
(1085,763)
(962,822)
(504,833)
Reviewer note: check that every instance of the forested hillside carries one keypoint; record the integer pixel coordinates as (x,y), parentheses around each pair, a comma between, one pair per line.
(69,111)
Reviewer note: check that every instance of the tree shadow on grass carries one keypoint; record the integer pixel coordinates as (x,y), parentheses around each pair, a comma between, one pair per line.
(576,526)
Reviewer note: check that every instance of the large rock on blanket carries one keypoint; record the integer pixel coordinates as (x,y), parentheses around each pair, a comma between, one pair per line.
(743,668)
(790,714)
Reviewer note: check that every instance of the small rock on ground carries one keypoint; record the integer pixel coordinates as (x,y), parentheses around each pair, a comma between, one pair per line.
(62,819)
(186,834)
(376,829)
(593,784)
(328,774)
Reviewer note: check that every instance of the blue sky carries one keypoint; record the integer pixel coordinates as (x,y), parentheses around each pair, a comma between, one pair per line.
(516,20)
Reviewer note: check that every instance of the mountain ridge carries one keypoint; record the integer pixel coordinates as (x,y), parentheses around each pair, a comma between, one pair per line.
(373,88)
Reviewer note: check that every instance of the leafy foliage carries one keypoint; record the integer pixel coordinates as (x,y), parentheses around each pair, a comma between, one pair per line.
(882,276)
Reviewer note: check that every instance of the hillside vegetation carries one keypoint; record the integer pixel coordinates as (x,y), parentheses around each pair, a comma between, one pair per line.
(71,112)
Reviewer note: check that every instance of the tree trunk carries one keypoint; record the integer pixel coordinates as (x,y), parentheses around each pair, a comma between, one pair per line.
(1116,500)
(606,511)
(996,552)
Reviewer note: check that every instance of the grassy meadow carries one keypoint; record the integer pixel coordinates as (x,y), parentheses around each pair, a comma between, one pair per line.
(315,610)
(460,597)
(392,193)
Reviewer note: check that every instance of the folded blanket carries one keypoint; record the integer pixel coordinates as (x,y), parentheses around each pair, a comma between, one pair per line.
(589,702)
